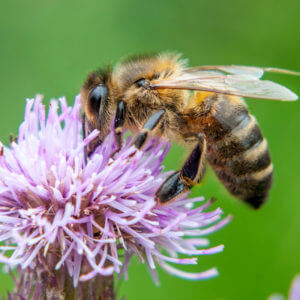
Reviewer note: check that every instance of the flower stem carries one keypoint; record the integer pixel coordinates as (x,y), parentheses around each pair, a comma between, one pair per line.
(42,284)
(107,288)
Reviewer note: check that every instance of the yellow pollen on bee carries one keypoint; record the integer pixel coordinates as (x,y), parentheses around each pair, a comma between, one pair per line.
(200,96)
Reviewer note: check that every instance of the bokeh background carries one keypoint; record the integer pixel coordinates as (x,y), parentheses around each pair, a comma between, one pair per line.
(49,46)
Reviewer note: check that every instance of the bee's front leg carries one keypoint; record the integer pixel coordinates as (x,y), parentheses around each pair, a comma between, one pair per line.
(119,123)
(84,133)
(190,174)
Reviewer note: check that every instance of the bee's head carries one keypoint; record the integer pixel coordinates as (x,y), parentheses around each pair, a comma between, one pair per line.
(134,78)
(95,98)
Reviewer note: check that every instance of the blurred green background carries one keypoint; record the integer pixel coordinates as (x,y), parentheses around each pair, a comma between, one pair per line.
(49,46)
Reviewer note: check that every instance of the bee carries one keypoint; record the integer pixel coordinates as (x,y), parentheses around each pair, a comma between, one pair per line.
(201,107)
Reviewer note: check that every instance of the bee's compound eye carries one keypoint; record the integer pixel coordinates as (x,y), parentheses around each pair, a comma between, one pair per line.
(98,94)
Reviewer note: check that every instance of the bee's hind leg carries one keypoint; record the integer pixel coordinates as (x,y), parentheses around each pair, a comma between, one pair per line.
(190,174)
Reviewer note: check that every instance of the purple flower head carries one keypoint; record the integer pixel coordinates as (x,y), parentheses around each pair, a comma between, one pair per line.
(294,293)
(93,217)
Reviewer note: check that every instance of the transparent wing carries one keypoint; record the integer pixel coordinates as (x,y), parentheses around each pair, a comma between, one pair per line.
(237,70)
(233,80)
(221,70)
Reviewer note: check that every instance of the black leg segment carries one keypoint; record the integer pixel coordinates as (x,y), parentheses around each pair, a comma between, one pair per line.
(119,123)
(193,168)
(150,124)
(172,187)
(190,174)
(83,117)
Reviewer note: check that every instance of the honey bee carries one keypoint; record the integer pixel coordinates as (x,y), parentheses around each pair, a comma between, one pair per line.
(201,107)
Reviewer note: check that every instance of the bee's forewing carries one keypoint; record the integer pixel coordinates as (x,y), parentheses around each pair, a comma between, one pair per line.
(241,81)
(234,70)
(237,70)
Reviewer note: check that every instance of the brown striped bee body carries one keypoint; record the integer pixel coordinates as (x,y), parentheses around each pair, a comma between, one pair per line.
(200,107)
(236,149)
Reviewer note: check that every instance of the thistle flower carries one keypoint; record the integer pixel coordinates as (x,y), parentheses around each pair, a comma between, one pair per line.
(83,220)
(294,293)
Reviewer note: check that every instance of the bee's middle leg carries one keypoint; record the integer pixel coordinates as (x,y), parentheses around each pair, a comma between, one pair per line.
(190,174)
(150,125)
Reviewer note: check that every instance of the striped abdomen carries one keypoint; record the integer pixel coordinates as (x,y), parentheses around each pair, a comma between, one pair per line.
(236,149)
